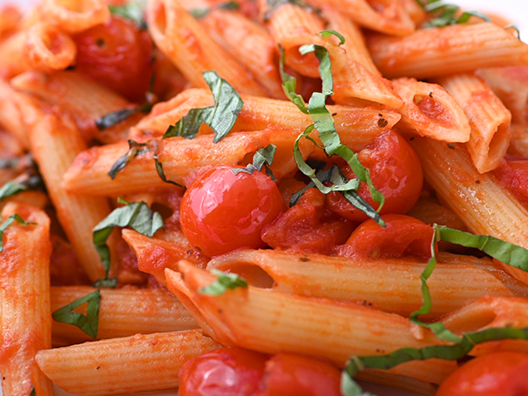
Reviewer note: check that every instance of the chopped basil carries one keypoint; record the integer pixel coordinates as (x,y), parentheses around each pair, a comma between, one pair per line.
(324,123)
(135,149)
(223,283)
(137,216)
(87,323)
(133,10)
(11,188)
(289,85)
(109,283)
(202,12)
(111,119)
(10,220)
(220,117)
(447,352)
(445,14)
(8,163)
(33,392)
(161,172)
(514,27)
(262,158)
(272,5)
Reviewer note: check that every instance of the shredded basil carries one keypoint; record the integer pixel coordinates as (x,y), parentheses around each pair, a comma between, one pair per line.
(133,10)
(273,5)
(447,352)
(33,392)
(10,220)
(262,159)
(89,323)
(11,188)
(445,14)
(135,149)
(223,283)
(221,117)
(137,216)
(202,12)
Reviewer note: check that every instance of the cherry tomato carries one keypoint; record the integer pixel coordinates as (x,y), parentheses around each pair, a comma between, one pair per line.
(117,55)
(402,236)
(291,375)
(221,211)
(308,227)
(396,172)
(497,374)
(223,372)
(513,175)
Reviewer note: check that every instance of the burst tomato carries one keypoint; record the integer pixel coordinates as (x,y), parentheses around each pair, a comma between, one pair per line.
(497,374)
(402,236)
(117,55)
(396,172)
(221,211)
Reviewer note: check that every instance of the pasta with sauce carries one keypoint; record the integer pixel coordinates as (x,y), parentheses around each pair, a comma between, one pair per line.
(261,197)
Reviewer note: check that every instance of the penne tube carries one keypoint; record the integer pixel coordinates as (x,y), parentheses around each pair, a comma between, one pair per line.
(48,48)
(385,16)
(10,19)
(25,318)
(519,141)
(357,127)
(124,365)
(430,111)
(488,118)
(180,158)
(186,43)
(250,44)
(271,322)
(81,97)
(415,11)
(447,50)
(480,202)
(163,251)
(291,27)
(123,312)
(54,145)
(363,281)
(510,84)
(15,60)
(75,16)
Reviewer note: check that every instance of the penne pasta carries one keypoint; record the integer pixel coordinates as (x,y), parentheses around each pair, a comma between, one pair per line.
(75,16)
(519,141)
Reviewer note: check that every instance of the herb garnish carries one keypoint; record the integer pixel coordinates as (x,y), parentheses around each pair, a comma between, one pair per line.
(223,283)
(133,10)
(262,158)
(273,5)
(221,117)
(447,14)
(324,123)
(88,323)
(10,220)
(202,12)
(135,149)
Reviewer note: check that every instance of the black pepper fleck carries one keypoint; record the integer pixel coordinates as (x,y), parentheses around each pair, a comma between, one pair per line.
(382,122)
(304,259)
(477,181)
(451,146)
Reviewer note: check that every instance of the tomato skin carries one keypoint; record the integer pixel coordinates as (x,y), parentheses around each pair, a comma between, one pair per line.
(291,375)
(396,172)
(308,227)
(221,212)
(118,55)
(223,372)
(497,374)
(513,175)
(402,236)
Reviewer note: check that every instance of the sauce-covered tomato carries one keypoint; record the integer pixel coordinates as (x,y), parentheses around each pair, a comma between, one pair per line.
(402,236)
(222,211)
(118,55)
(497,374)
(395,171)
(513,175)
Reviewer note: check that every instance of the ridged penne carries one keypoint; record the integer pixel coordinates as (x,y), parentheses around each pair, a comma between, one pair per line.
(25,318)
(74,16)
(488,118)
(124,365)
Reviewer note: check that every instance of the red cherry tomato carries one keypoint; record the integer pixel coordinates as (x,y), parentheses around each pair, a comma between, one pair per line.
(223,372)
(308,227)
(402,236)
(513,175)
(293,375)
(497,374)
(117,55)
(396,172)
(221,211)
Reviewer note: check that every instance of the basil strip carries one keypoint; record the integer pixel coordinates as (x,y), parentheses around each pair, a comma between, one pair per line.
(133,10)
(135,149)
(446,14)
(437,328)
(262,158)
(11,188)
(446,352)
(10,220)
(89,323)
(137,216)
(223,283)
(221,117)
(272,5)
(202,12)
(33,392)
(111,119)
(289,85)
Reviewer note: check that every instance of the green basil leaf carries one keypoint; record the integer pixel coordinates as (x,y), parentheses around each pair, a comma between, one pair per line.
(466,16)
(33,392)
(133,10)
(221,117)
(272,5)
(10,189)
(447,352)
(111,119)
(202,12)
(349,387)
(512,26)
(10,220)
(87,323)
(161,172)
(109,283)
(328,33)
(199,12)
(137,216)
(223,283)
(135,149)
(289,85)
(262,158)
